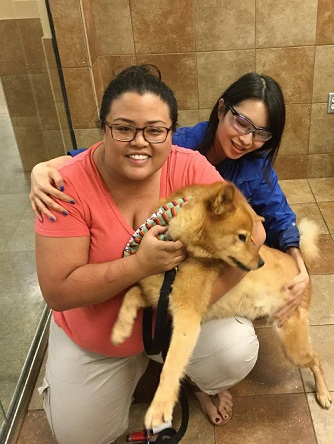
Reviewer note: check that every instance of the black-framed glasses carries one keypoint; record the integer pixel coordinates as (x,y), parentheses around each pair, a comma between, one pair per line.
(126,133)
(245,126)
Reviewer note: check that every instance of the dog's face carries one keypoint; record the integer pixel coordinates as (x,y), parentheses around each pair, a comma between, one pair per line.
(217,223)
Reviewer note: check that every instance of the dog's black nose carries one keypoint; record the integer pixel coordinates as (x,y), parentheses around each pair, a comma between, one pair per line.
(260,264)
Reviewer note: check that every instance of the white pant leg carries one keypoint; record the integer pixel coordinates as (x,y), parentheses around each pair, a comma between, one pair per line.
(87,396)
(225,353)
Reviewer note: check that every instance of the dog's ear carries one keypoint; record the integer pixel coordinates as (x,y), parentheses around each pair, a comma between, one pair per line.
(223,200)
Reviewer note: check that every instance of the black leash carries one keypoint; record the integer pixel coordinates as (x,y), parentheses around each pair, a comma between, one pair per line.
(159,343)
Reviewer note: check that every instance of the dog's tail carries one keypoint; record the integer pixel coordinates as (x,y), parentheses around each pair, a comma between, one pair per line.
(309,236)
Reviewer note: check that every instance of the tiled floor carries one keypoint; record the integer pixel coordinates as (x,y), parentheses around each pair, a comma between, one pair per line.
(275,403)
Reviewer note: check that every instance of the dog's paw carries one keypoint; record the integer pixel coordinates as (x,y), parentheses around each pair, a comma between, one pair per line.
(324,400)
(158,413)
(118,335)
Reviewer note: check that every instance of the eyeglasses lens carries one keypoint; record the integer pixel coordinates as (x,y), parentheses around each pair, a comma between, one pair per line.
(245,127)
(128,133)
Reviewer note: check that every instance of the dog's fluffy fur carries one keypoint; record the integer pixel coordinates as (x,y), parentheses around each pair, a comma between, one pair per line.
(216,227)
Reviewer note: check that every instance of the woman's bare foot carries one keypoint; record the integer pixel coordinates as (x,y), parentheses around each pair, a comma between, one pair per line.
(218,408)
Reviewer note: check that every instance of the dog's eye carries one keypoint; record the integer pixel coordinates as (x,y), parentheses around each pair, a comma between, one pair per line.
(242,237)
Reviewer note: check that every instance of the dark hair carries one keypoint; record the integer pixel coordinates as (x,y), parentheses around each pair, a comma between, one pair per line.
(139,79)
(252,86)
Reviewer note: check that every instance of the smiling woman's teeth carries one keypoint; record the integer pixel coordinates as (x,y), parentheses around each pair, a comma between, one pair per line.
(139,157)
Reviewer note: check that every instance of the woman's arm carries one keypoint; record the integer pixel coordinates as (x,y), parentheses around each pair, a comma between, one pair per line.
(68,281)
(46,181)
(282,232)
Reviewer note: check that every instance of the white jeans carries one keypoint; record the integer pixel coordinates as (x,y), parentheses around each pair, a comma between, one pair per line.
(87,396)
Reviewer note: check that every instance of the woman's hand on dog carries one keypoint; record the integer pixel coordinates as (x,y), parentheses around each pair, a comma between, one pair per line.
(157,256)
(297,288)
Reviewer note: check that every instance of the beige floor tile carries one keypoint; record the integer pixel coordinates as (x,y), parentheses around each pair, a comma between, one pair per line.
(35,429)
(36,401)
(327,210)
(322,306)
(297,191)
(310,211)
(323,421)
(23,238)
(325,263)
(273,373)
(274,419)
(323,189)
(323,341)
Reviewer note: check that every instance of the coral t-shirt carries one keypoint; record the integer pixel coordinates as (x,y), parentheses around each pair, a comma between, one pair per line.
(96,215)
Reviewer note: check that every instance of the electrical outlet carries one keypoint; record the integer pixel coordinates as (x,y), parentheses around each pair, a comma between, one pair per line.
(330,108)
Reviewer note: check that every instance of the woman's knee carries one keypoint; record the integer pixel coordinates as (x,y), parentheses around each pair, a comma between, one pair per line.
(226,352)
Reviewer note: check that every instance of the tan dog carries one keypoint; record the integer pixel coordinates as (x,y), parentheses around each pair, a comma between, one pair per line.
(216,226)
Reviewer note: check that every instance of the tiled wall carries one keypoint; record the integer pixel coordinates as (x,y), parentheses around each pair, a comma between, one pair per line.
(31,83)
(201,46)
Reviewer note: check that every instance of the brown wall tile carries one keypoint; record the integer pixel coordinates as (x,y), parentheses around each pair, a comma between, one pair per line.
(65,131)
(12,60)
(49,53)
(52,70)
(61,112)
(204,114)
(87,137)
(179,73)
(297,129)
(90,29)
(105,68)
(32,33)
(285,23)
(325,22)
(113,27)
(67,139)
(20,98)
(162,27)
(188,118)
(320,165)
(44,100)
(54,144)
(323,73)
(191,44)
(70,33)
(217,70)
(81,96)
(292,68)
(55,85)
(291,167)
(30,144)
(232,25)
(321,132)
